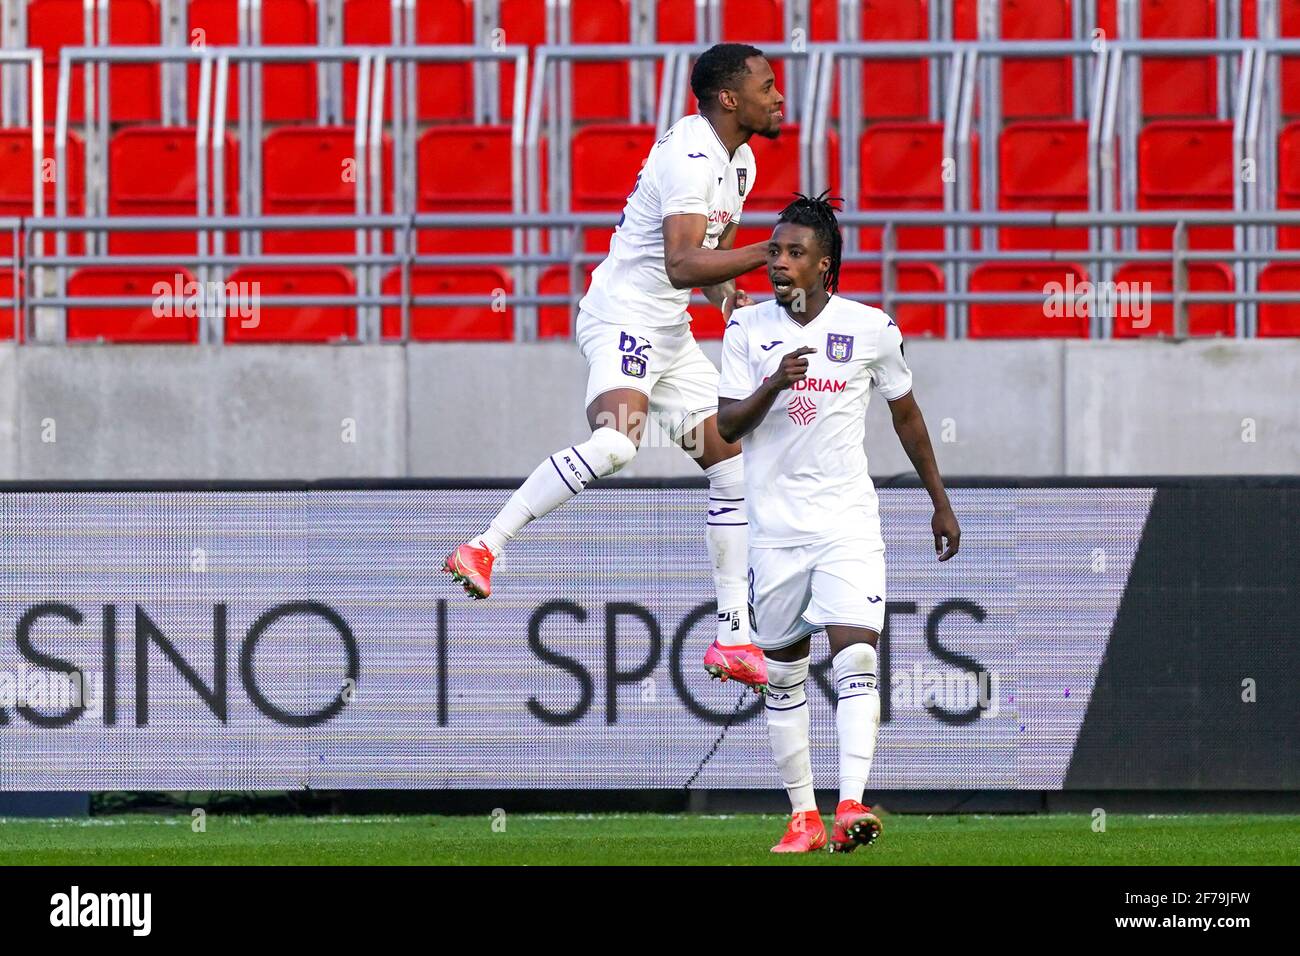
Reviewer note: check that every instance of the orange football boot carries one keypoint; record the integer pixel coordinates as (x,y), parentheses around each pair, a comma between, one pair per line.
(855,826)
(803,834)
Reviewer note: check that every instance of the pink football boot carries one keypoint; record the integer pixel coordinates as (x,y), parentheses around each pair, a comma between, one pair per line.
(470,565)
(743,662)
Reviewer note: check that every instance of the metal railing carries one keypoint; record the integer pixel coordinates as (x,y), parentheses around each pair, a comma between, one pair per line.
(1106,94)
(398,232)
(214,70)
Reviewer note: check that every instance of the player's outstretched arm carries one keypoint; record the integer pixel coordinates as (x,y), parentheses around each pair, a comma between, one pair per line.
(737,417)
(909,425)
(725,295)
(690,266)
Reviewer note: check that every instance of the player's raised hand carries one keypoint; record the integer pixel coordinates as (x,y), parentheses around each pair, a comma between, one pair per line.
(737,300)
(944,526)
(793,368)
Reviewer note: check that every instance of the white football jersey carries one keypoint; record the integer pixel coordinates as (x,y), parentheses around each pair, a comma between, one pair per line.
(806,475)
(688,171)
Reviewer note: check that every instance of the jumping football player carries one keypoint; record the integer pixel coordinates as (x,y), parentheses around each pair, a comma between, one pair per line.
(676,234)
(796,377)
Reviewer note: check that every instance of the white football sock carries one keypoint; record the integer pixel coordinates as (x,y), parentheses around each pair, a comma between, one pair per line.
(787,729)
(727,531)
(857,716)
(556,480)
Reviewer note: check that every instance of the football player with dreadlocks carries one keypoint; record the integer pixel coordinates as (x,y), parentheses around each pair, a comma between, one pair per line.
(797,373)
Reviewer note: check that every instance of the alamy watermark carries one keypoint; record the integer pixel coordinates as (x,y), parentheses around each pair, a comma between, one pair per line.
(49,690)
(186,297)
(920,688)
(1070,299)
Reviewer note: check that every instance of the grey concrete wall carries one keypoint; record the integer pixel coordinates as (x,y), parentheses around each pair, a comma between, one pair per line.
(9,412)
(188,412)
(1215,407)
(994,408)
(496,410)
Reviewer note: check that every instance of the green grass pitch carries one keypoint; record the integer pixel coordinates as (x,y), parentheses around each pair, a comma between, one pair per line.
(644,839)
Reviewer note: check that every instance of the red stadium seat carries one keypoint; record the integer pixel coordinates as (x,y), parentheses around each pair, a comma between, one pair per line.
(600,89)
(1021,320)
(16,182)
(8,326)
(777,162)
(756,283)
(746,20)
(288,89)
(760,22)
(1290,29)
(606,162)
(1185,165)
(1279,318)
(444,90)
(312,170)
(556,321)
(445,155)
(1173,86)
(706,322)
(1288,182)
(451,322)
(130,323)
(861,281)
(1039,88)
(152,173)
(675,21)
(524,22)
(1043,166)
(902,166)
(135,91)
(293,323)
(1206,318)
(891,89)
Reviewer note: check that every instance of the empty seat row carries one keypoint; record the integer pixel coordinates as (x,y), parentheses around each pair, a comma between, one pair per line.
(900,89)
(1181,164)
(324,323)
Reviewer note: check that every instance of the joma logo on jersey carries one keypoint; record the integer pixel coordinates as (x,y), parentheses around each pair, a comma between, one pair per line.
(634,348)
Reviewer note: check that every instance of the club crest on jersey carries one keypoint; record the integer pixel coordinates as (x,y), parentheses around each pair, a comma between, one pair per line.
(741,176)
(634,363)
(839,348)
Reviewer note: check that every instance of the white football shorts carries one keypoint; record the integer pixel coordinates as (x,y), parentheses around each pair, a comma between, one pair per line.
(796,590)
(666,365)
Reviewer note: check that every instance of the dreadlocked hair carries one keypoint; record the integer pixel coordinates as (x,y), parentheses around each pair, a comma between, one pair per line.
(818,214)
